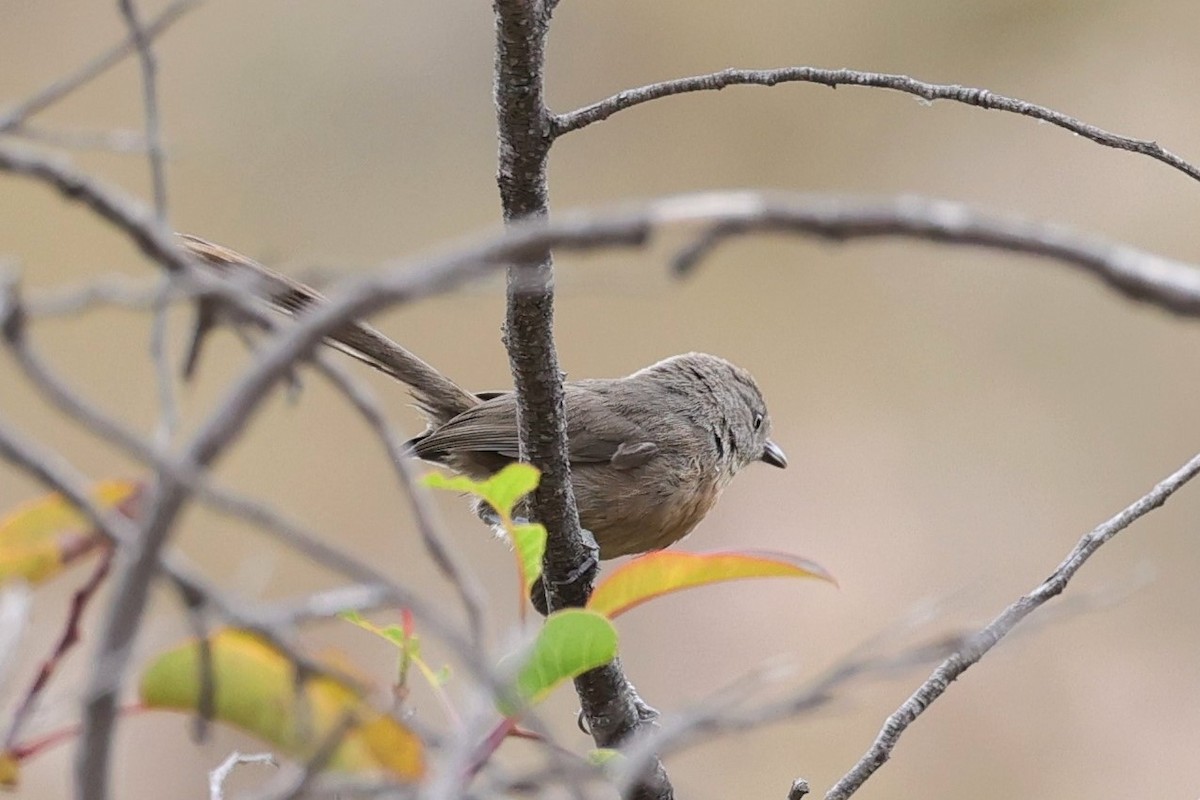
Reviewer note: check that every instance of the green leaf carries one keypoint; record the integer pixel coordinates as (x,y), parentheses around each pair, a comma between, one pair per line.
(570,643)
(452,483)
(509,485)
(603,756)
(529,540)
(501,491)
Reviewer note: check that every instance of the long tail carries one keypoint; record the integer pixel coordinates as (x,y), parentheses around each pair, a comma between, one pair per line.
(437,396)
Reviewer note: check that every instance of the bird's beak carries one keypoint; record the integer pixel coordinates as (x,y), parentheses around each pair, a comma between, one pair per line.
(773,455)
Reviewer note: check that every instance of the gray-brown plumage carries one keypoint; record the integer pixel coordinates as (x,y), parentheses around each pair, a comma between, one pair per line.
(650,453)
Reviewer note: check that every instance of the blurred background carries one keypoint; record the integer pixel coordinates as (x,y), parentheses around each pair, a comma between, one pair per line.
(955,420)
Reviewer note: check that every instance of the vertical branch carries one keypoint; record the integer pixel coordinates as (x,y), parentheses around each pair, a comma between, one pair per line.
(168,407)
(154,149)
(521,27)
(610,704)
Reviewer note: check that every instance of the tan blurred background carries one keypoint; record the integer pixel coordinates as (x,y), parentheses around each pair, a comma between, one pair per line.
(955,420)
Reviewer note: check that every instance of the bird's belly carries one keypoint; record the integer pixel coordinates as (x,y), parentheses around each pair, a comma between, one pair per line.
(648,519)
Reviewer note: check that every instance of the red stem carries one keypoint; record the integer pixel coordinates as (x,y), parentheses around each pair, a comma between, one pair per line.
(70,637)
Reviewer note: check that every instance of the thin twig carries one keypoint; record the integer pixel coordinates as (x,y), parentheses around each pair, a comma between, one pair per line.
(114,141)
(52,93)
(981,98)
(168,404)
(116,290)
(455,570)
(164,371)
(727,709)
(1146,277)
(978,645)
(217,778)
(1169,284)
(289,532)
(153,123)
(57,475)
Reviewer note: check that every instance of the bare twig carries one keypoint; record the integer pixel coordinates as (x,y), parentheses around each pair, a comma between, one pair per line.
(456,571)
(51,94)
(58,476)
(978,645)
(295,784)
(117,290)
(981,98)
(125,212)
(149,67)
(728,710)
(1166,283)
(217,778)
(168,403)
(290,533)
(114,141)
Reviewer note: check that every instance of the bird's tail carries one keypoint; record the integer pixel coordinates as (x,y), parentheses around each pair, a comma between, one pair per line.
(438,397)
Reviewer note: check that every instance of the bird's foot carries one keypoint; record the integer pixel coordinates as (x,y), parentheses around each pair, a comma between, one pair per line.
(584,571)
(590,564)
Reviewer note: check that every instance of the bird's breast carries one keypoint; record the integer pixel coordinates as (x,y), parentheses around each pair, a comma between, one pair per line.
(648,511)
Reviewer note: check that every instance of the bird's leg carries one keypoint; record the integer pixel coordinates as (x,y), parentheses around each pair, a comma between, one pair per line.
(590,564)
(586,570)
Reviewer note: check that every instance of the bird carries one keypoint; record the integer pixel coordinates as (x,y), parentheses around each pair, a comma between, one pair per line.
(650,452)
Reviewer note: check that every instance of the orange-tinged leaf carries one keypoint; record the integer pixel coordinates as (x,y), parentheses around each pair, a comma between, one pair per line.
(255,690)
(39,538)
(668,571)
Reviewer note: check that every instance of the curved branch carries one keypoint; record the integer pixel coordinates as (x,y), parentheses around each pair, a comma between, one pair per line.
(1139,275)
(978,645)
(833,78)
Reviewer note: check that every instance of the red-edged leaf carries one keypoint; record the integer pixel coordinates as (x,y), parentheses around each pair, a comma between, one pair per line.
(668,571)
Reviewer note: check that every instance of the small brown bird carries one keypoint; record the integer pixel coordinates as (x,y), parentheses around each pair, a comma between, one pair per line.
(650,452)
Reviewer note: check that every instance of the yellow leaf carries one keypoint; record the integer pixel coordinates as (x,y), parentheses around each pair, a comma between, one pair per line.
(10,770)
(41,537)
(668,571)
(256,691)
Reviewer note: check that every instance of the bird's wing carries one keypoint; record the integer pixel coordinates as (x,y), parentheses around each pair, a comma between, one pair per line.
(599,432)
(596,432)
(490,426)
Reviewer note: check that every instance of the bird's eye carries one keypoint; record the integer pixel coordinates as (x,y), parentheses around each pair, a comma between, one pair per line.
(758,420)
